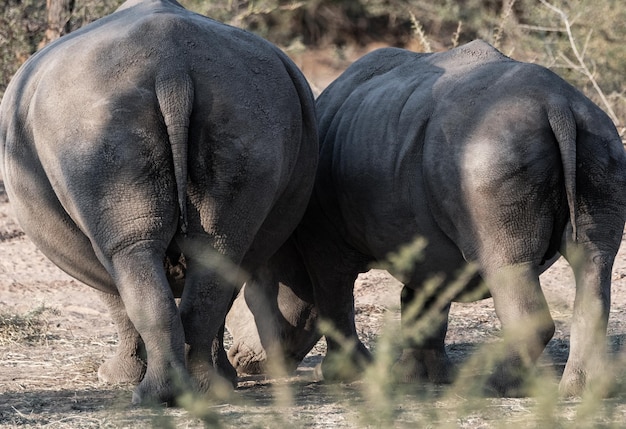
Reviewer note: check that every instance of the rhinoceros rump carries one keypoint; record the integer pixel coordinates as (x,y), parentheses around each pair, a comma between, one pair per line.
(156,130)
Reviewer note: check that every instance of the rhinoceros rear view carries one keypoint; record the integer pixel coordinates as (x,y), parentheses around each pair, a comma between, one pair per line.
(158,130)
(492,161)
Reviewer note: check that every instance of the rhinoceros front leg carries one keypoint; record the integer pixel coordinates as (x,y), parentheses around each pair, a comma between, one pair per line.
(526,325)
(273,319)
(424,327)
(253,325)
(129,363)
(333,268)
(346,356)
(587,362)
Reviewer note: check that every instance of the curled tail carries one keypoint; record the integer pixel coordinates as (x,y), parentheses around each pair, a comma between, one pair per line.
(175,93)
(563,126)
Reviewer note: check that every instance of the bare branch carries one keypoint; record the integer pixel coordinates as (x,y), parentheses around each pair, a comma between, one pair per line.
(582,67)
(541,28)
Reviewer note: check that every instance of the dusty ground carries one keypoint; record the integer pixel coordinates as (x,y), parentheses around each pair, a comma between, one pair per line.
(49,380)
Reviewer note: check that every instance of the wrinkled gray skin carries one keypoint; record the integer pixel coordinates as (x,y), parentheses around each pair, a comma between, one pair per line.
(493,161)
(156,130)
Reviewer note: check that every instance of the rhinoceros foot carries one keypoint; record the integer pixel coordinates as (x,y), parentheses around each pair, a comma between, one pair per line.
(508,380)
(159,388)
(345,364)
(424,365)
(598,381)
(212,382)
(224,368)
(247,361)
(122,369)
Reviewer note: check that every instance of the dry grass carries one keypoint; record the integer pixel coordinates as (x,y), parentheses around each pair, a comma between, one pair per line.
(58,387)
(31,327)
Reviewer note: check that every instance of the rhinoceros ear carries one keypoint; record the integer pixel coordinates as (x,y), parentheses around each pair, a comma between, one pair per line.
(563,126)
(175,94)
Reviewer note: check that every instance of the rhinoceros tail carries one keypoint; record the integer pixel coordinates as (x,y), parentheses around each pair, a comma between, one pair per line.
(175,93)
(563,126)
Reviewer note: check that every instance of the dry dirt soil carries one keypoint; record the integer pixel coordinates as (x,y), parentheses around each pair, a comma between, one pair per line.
(49,359)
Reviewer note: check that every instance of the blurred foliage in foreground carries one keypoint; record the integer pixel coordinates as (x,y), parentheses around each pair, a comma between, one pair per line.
(527,30)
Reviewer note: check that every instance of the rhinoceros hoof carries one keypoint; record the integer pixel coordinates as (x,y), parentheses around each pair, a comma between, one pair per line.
(572,382)
(575,382)
(335,371)
(342,366)
(507,381)
(210,382)
(118,369)
(432,366)
(226,370)
(162,389)
(246,360)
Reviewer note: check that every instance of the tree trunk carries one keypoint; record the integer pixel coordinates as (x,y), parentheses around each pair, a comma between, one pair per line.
(59,14)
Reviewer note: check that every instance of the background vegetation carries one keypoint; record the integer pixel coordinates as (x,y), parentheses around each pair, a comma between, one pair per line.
(593,58)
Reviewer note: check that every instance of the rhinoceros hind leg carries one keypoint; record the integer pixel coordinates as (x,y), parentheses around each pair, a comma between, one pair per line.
(150,305)
(587,366)
(526,327)
(128,365)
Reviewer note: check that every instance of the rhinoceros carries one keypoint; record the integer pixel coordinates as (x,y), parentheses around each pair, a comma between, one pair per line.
(151,139)
(497,164)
